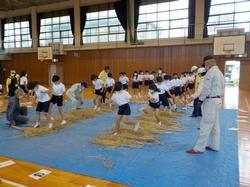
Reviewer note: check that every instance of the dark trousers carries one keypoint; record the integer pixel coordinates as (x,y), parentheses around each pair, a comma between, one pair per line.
(197,108)
(104,95)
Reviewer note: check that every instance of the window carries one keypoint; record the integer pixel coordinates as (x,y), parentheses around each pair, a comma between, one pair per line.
(227,14)
(163,20)
(56,29)
(17,34)
(103,26)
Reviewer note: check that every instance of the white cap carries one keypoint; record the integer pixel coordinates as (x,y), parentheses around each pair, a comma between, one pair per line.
(193,68)
(201,70)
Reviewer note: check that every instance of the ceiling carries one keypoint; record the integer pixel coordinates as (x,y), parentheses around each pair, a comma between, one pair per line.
(6,5)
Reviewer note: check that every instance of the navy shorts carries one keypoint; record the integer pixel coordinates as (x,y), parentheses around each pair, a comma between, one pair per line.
(135,85)
(124,110)
(57,100)
(43,106)
(99,92)
(146,82)
(177,91)
(167,94)
(154,105)
(140,83)
(109,89)
(190,86)
(163,99)
(125,86)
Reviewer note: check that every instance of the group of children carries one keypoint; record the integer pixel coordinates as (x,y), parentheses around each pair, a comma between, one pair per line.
(163,90)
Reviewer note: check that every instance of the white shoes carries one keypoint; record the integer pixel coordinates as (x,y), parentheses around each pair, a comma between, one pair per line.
(159,124)
(37,125)
(137,126)
(52,118)
(50,125)
(95,107)
(63,122)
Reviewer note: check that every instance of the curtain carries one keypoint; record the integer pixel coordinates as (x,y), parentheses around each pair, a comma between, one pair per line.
(121,12)
(3,21)
(72,23)
(191,19)
(136,18)
(38,26)
(83,18)
(206,17)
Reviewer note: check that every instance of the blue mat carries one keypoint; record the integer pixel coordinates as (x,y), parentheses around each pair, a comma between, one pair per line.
(151,166)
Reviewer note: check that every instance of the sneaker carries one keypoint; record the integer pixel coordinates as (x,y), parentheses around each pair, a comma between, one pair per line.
(95,107)
(52,118)
(170,111)
(50,125)
(37,125)
(110,105)
(63,122)
(137,126)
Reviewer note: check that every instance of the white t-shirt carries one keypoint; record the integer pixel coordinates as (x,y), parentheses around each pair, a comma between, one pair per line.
(151,77)
(121,97)
(58,89)
(135,78)
(162,87)
(140,77)
(146,76)
(42,94)
(168,84)
(153,97)
(23,80)
(110,82)
(176,82)
(124,79)
(98,84)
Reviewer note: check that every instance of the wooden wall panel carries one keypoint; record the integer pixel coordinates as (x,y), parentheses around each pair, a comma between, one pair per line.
(79,65)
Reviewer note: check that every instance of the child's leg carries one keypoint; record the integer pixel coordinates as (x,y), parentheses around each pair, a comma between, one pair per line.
(48,117)
(156,114)
(95,100)
(118,119)
(146,110)
(127,121)
(38,116)
(60,110)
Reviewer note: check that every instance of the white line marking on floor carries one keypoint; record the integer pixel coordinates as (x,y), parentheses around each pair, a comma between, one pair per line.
(242,121)
(244,111)
(6,163)
(245,117)
(11,183)
(88,185)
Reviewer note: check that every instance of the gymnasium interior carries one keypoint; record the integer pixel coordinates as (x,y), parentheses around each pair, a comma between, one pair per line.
(75,39)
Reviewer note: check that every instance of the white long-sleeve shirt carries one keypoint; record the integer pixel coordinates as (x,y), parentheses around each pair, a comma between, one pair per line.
(76,91)
(213,84)
(200,87)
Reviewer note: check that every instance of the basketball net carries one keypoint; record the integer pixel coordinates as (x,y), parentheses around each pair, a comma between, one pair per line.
(228,52)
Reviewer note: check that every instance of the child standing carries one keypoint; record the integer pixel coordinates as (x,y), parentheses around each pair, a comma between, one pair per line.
(154,102)
(41,95)
(110,82)
(162,93)
(98,87)
(135,84)
(169,87)
(124,80)
(121,98)
(24,82)
(58,90)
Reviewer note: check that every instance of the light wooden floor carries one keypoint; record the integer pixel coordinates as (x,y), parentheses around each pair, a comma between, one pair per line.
(20,171)
(234,99)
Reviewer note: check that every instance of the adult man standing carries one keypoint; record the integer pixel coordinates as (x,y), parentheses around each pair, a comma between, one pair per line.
(11,86)
(211,95)
(103,76)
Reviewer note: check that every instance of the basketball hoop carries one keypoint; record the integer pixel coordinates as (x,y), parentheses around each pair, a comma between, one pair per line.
(228,52)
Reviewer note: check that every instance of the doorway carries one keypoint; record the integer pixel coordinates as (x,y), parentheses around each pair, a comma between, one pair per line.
(232,77)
